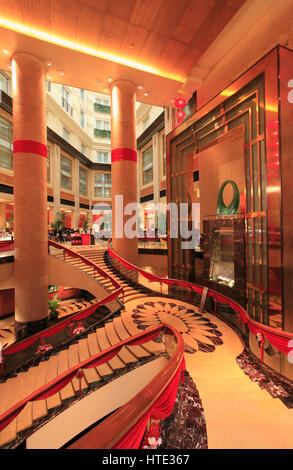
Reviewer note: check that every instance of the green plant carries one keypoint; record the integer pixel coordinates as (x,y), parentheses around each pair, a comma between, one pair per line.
(59,222)
(53,307)
(85,223)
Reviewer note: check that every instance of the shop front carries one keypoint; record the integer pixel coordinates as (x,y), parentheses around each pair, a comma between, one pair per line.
(241,145)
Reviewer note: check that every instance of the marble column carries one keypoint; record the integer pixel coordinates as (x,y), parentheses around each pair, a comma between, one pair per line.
(124,165)
(30,194)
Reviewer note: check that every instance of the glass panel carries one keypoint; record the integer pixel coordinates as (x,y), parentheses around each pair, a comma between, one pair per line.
(256,188)
(65,172)
(222,257)
(82,181)
(147,165)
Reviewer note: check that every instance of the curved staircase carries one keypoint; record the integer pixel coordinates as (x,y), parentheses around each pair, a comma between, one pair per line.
(97,255)
(113,331)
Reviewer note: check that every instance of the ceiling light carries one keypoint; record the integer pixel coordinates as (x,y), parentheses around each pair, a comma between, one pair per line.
(5,51)
(106,90)
(61,73)
(57,40)
(110,80)
(140,87)
(48,62)
(146,94)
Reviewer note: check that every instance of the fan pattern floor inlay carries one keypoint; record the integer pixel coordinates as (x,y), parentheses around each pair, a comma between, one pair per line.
(198,332)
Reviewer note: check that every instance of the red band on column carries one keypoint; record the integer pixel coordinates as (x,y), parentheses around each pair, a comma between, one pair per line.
(123,154)
(29,146)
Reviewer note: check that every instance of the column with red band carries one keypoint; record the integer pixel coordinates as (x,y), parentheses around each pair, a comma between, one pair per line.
(29,146)
(123,154)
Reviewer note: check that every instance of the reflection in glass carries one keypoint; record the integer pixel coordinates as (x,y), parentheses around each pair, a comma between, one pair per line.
(222,257)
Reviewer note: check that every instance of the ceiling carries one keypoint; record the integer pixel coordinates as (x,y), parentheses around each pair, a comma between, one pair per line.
(153,43)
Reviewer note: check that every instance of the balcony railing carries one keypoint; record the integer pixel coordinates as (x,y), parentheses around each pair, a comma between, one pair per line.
(67,106)
(102,108)
(106,134)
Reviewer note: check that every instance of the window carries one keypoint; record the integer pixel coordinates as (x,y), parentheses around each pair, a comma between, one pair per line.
(102,125)
(164,154)
(82,181)
(102,129)
(103,185)
(48,164)
(103,157)
(6,149)
(66,101)
(82,119)
(66,135)
(147,166)
(83,149)
(82,95)
(4,83)
(65,172)
(103,100)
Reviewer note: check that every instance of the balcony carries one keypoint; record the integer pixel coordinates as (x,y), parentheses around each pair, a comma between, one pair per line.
(102,108)
(105,134)
(67,106)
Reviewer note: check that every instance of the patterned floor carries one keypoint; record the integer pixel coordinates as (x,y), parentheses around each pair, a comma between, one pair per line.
(198,331)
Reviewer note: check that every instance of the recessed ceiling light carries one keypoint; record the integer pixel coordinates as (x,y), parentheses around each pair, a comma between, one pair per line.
(48,62)
(110,80)
(140,87)
(132,45)
(146,94)
(61,73)
(106,90)
(5,51)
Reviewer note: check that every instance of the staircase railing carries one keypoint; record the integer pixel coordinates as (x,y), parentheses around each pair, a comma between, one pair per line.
(279,338)
(108,433)
(67,322)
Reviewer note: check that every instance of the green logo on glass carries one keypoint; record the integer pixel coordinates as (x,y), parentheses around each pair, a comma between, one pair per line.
(234,204)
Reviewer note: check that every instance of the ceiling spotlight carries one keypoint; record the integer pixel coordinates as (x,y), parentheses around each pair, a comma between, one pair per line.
(106,90)
(146,94)
(5,51)
(61,73)
(140,87)
(110,80)
(48,62)
(132,45)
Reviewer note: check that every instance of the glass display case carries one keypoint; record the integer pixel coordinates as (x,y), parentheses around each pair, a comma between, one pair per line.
(222,257)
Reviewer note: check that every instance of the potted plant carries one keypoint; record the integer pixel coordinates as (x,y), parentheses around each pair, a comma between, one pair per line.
(85,223)
(53,307)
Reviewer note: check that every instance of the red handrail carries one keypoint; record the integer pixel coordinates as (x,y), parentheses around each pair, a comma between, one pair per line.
(61,381)
(279,338)
(75,317)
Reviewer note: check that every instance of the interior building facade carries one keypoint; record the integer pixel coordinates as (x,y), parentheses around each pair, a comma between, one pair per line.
(195,105)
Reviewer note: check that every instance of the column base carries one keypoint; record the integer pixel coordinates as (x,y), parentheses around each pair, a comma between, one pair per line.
(23,330)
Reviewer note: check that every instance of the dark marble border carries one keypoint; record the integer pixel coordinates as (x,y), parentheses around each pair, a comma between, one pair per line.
(185,428)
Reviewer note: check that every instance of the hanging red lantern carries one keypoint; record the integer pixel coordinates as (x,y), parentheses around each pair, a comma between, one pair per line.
(180,115)
(180,103)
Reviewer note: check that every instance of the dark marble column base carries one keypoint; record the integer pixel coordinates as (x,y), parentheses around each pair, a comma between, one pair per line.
(24,329)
